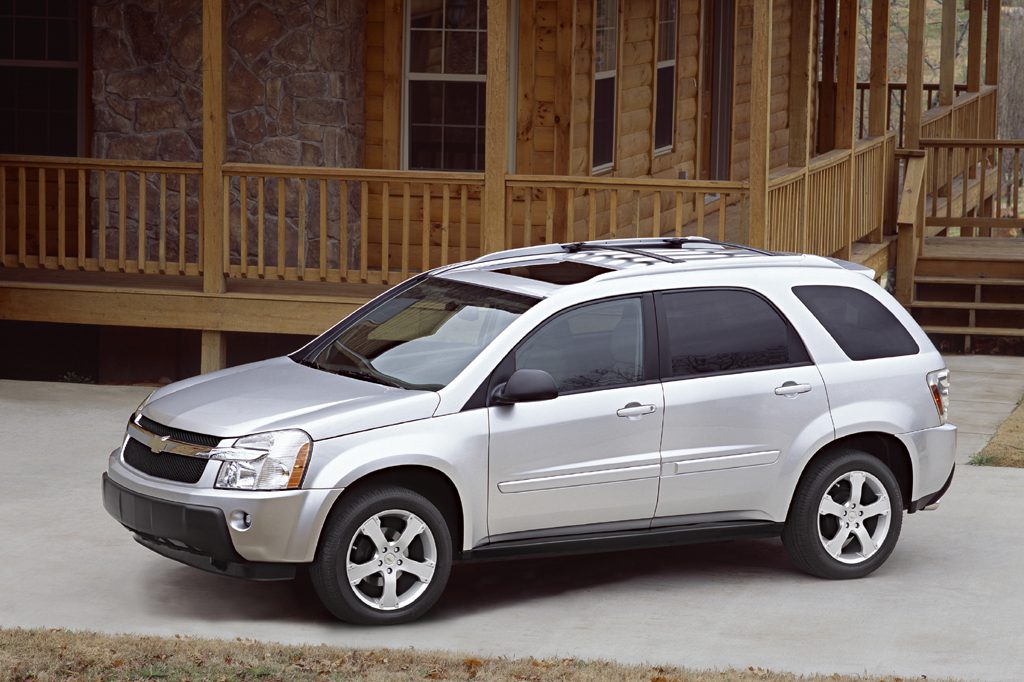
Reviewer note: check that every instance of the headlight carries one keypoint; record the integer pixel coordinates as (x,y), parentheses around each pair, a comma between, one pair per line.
(275,460)
(138,410)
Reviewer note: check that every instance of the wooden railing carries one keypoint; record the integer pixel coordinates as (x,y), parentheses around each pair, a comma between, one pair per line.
(103,215)
(544,209)
(345,225)
(838,199)
(895,106)
(910,222)
(974,186)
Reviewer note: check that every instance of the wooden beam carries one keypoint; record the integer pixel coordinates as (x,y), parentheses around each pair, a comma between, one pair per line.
(974,25)
(802,79)
(992,43)
(846,81)
(760,121)
(214,352)
(947,61)
(915,85)
(827,89)
(214,145)
(394,23)
(496,137)
(878,121)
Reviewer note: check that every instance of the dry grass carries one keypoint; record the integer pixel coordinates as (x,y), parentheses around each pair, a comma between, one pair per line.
(64,655)
(1006,449)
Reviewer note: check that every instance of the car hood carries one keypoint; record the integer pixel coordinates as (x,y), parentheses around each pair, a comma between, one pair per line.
(282,394)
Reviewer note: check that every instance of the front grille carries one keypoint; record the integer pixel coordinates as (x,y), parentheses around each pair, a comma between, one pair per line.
(178,434)
(165,465)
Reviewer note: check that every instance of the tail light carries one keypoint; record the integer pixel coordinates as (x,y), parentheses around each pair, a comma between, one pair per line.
(938,384)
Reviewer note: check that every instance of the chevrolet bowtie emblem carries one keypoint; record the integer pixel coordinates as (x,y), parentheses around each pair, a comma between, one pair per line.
(158,444)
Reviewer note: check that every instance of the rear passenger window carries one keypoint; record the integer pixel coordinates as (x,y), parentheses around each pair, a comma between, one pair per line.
(717,331)
(594,346)
(858,322)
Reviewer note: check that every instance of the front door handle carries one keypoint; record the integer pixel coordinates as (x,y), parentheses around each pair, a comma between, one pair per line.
(791,389)
(635,410)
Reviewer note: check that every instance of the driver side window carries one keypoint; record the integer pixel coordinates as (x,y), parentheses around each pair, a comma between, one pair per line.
(594,346)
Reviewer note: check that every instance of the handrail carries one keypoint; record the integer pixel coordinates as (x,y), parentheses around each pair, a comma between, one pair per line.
(369,174)
(573,182)
(971,142)
(76,163)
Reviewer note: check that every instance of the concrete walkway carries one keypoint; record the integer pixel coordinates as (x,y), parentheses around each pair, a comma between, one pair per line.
(948,602)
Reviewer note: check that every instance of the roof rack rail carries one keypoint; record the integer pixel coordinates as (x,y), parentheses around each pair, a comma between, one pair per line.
(656,243)
(576,247)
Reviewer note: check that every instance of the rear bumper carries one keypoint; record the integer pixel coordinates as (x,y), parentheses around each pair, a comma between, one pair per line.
(192,534)
(933,498)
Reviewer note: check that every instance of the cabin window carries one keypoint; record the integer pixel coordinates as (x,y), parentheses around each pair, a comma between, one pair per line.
(39,69)
(664,97)
(606,43)
(446,71)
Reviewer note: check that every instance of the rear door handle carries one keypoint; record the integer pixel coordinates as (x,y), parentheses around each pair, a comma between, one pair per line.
(791,389)
(635,410)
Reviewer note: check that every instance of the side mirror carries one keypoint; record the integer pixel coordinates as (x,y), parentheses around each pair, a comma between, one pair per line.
(526,386)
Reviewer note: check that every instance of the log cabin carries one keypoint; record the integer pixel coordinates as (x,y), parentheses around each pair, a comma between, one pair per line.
(233,166)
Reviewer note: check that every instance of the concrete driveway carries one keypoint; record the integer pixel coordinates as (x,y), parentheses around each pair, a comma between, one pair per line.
(949,602)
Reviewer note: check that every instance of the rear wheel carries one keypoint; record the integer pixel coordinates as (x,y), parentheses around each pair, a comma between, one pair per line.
(846,516)
(384,557)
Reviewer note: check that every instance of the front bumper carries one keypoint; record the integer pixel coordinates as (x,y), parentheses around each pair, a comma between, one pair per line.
(194,535)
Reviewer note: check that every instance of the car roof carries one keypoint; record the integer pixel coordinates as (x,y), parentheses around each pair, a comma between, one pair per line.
(542,270)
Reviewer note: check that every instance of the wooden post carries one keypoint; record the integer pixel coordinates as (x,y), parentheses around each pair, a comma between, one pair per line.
(214,143)
(760,124)
(947,62)
(992,43)
(975,18)
(915,85)
(496,139)
(802,78)
(827,91)
(878,121)
(846,81)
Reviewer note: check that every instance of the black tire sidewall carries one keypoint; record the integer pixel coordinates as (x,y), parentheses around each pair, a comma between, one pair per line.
(800,534)
(328,571)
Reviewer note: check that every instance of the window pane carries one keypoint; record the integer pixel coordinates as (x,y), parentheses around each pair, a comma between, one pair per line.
(717,331)
(30,39)
(858,322)
(6,38)
(665,107)
(62,41)
(595,346)
(425,51)
(460,103)
(426,101)
(460,52)
(426,13)
(460,13)
(459,148)
(667,30)
(604,121)
(425,145)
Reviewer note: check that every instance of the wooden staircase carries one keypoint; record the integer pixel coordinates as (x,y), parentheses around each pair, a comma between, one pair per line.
(970,287)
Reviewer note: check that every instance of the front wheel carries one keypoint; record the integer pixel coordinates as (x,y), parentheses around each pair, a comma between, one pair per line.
(384,557)
(845,517)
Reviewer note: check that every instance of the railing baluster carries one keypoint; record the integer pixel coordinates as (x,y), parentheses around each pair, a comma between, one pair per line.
(182,221)
(243,226)
(997,205)
(281,195)
(385,231)
(1016,182)
(364,231)
(41,214)
(141,246)
(101,256)
(302,236)
(656,217)
(446,214)
(678,228)
(723,206)
(528,217)
(81,217)
(122,220)
(343,229)
(162,244)
(61,217)
(323,230)
(463,221)
(613,210)
(570,214)
(406,200)
(636,213)
(261,227)
(425,230)
(549,216)
(701,205)
(3,215)
(592,215)
(225,264)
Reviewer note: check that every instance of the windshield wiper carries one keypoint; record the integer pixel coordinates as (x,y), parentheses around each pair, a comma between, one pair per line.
(355,373)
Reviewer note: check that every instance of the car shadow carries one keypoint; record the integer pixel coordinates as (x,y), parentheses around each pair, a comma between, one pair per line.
(473,587)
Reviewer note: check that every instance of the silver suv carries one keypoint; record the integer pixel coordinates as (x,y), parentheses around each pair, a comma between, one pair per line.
(562,398)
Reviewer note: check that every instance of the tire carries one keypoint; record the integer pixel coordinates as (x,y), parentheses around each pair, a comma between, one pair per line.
(832,533)
(362,568)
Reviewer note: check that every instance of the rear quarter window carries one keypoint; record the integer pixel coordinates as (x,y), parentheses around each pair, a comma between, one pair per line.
(861,325)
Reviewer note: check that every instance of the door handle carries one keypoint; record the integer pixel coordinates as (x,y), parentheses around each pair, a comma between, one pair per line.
(635,410)
(791,389)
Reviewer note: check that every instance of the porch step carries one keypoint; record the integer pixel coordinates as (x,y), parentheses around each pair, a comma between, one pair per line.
(972,257)
(967,305)
(955,311)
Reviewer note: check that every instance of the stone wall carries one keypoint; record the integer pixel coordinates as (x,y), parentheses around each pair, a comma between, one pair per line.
(294,93)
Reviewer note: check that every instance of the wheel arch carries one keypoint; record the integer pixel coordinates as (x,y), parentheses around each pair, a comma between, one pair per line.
(885,447)
(432,483)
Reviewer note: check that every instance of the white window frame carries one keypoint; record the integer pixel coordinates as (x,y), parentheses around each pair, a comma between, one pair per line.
(612,74)
(672,63)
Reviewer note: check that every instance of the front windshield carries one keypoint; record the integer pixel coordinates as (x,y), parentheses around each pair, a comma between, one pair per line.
(423,337)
